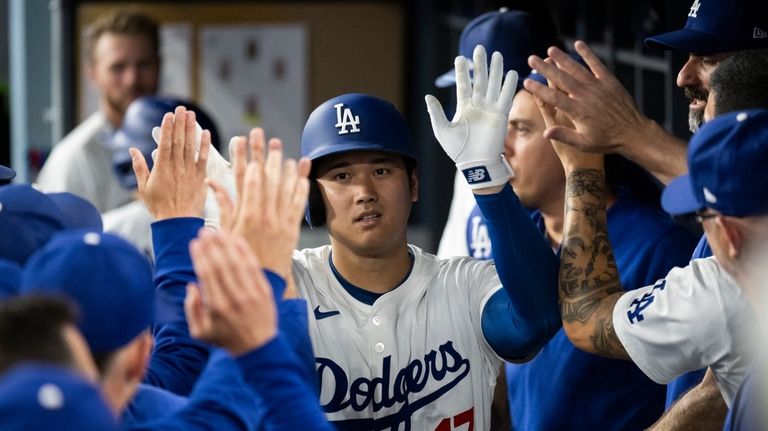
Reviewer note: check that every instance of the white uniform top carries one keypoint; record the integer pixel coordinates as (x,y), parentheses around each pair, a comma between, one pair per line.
(82,164)
(454,239)
(694,318)
(132,222)
(417,358)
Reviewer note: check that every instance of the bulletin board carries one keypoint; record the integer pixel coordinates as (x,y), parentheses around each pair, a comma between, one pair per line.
(268,64)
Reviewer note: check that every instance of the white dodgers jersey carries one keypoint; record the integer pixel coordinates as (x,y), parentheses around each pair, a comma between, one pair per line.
(695,317)
(414,360)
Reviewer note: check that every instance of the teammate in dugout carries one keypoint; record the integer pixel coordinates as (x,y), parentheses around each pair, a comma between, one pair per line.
(607,120)
(726,190)
(592,392)
(694,317)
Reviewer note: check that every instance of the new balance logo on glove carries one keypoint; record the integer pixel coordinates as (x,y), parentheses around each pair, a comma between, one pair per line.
(476,175)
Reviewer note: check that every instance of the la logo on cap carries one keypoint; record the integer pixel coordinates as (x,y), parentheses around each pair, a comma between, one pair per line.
(346,119)
(694,9)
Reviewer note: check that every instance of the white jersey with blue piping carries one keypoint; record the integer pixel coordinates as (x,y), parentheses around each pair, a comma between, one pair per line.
(694,317)
(415,359)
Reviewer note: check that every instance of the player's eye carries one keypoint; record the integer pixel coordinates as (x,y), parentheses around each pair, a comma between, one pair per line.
(341,176)
(380,171)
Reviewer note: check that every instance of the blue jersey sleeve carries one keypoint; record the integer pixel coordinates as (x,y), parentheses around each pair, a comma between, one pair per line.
(274,373)
(519,319)
(177,359)
(221,400)
(293,327)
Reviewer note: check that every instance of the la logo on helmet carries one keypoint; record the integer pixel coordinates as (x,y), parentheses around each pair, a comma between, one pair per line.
(694,9)
(346,119)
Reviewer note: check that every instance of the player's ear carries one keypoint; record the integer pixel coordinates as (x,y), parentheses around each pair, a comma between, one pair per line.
(414,183)
(733,235)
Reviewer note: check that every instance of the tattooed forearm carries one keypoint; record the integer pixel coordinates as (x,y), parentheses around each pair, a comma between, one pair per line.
(589,277)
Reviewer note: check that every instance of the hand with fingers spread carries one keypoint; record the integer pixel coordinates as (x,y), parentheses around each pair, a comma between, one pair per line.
(605,118)
(474,139)
(217,168)
(571,157)
(272,195)
(232,305)
(175,187)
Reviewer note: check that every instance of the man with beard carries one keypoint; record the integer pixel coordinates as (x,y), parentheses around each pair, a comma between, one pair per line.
(123,57)
(606,120)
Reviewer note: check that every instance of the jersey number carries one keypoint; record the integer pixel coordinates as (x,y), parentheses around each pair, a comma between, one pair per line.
(464,418)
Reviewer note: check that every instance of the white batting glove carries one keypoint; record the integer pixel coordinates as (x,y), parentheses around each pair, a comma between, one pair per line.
(217,168)
(474,139)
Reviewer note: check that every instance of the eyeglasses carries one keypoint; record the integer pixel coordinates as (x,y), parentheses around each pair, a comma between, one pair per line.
(703,215)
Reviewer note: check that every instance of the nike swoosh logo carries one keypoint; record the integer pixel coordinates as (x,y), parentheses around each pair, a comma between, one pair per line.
(323,314)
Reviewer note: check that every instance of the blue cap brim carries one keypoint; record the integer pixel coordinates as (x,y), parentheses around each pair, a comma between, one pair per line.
(678,197)
(690,41)
(6,173)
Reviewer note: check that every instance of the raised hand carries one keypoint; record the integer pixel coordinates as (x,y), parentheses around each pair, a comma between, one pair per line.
(231,305)
(272,195)
(474,139)
(175,187)
(571,157)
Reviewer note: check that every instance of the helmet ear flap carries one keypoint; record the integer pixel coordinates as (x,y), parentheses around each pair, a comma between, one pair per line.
(315,214)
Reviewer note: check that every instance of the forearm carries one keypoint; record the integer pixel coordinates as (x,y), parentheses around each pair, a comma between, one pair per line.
(523,317)
(657,151)
(293,328)
(176,359)
(702,408)
(589,278)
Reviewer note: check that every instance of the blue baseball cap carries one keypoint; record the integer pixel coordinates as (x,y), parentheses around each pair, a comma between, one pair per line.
(142,115)
(356,122)
(77,212)
(727,159)
(106,277)
(10,278)
(6,174)
(38,397)
(715,26)
(29,218)
(513,33)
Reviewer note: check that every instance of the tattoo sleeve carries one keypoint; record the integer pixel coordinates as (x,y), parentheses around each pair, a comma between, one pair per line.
(589,282)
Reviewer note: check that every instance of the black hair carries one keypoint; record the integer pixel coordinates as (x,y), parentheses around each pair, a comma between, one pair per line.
(32,329)
(741,81)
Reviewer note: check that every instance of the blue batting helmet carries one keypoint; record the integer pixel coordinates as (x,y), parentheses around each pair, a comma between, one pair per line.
(142,115)
(352,122)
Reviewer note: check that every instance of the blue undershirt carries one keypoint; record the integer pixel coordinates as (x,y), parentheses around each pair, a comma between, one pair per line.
(362,295)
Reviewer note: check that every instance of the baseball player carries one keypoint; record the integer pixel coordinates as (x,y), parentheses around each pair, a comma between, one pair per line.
(725,189)
(123,56)
(132,221)
(29,218)
(516,35)
(404,340)
(606,119)
(40,396)
(175,194)
(665,328)
(647,244)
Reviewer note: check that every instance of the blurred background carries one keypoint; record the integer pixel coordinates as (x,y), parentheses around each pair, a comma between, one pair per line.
(269,63)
